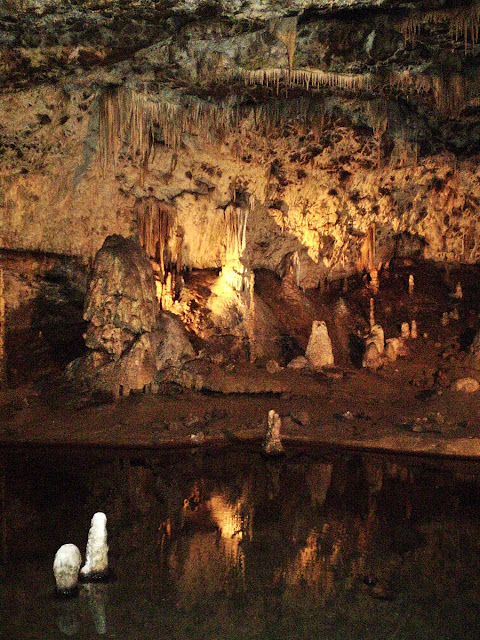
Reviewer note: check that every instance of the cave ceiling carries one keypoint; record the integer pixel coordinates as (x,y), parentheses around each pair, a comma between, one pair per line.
(423,52)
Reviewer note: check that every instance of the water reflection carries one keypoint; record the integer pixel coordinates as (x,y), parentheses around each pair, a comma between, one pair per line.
(222,544)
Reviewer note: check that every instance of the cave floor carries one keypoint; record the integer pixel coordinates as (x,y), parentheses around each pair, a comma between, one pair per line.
(409,405)
(393,409)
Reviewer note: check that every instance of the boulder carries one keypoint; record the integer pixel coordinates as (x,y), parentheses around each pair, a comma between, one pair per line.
(129,340)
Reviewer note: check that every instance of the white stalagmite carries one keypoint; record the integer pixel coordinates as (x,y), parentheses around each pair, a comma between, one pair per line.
(96,560)
(319,348)
(65,568)
(405,330)
(272,445)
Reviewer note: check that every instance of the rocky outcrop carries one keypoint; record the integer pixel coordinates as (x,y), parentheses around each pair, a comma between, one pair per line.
(129,340)
(121,302)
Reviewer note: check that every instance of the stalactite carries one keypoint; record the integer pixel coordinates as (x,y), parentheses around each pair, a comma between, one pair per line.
(154,223)
(285,29)
(463,23)
(235,232)
(379,119)
(367,252)
(449,91)
(309,79)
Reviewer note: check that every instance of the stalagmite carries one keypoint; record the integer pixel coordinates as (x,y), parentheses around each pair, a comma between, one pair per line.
(96,559)
(458,291)
(392,349)
(411,284)
(371,358)
(372,312)
(374,282)
(377,337)
(405,330)
(319,349)
(65,569)
(272,445)
(444,320)
(414,330)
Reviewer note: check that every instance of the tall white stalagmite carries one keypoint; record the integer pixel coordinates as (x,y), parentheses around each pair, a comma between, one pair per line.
(65,568)
(96,560)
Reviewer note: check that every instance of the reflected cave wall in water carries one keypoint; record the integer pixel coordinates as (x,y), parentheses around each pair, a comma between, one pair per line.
(228,535)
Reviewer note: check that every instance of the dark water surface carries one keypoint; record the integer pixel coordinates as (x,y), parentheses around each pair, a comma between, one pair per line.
(221,544)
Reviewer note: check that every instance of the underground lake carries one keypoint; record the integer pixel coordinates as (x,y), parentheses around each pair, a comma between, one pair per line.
(222,543)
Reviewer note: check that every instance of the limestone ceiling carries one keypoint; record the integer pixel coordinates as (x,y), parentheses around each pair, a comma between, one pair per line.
(252,51)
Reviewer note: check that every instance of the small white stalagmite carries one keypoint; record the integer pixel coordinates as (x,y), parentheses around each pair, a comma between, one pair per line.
(272,445)
(65,569)
(96,560)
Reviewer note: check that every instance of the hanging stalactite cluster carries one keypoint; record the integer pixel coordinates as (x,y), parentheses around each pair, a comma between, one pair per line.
(134,121)
(138,120)
(309,79)
(463,23)
(449,90)
(155,225)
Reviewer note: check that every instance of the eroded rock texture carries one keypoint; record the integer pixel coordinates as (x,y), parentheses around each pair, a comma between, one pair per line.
(129,340)
(121,302)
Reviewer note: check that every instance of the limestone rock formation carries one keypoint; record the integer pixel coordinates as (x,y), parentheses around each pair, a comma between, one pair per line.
(372,358)
(65,568)
(129,340)
(96,557)
(319,349)
(121,301)
(377,337)
(272,445)
(392,349)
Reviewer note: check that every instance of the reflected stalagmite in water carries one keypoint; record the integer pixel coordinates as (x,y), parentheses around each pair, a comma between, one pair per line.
(228,544)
